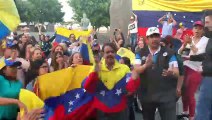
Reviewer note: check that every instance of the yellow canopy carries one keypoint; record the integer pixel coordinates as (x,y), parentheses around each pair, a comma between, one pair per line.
(172,5)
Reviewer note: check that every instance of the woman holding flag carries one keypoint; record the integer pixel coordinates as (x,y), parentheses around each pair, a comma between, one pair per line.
(38,67)
(58,62)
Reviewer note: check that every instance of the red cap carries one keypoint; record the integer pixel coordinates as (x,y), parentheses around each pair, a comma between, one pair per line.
(198,23)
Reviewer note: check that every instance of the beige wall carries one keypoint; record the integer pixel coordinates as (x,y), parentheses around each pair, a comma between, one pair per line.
(120,11)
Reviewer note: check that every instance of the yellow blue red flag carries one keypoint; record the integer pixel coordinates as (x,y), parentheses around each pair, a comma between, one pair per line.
(64,96)
(61,81)
(62,34)
(185,11)
(9,17)
(87,53)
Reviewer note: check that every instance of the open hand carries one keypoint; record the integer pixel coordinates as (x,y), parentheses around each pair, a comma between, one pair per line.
(22,106)
(148,60)
(33,115)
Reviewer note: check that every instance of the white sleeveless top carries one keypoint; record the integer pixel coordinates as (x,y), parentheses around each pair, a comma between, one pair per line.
(201,45)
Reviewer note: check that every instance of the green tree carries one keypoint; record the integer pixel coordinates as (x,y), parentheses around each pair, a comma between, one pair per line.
(96,10)
(40,10)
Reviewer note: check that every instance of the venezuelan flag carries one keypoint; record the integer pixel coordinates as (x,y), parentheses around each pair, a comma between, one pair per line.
(73,105)
(9,18)
(186,11)
(86,52)
(111,87)
(62,34)
(63,95)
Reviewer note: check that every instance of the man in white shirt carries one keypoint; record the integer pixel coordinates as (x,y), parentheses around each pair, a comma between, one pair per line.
(132,31)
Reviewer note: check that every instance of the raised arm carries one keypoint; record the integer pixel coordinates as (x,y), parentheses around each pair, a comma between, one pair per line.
(52,38)
(117,45)
(160,20)
(136,17)
(180,51)
(174,21)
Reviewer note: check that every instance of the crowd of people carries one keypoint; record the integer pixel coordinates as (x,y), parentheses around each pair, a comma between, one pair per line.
(162,72)
(185,59)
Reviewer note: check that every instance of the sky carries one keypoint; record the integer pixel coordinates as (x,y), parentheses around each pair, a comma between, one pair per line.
(67,9)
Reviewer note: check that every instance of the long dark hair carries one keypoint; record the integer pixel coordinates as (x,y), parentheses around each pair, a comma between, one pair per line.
(143,39)
(122,37)
(54,63)
(34,70)
(22,51)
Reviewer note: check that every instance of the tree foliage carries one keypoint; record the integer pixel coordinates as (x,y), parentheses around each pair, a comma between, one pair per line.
(40,10)
(96,10)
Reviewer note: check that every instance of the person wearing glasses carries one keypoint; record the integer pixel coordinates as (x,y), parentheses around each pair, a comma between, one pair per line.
(38,67)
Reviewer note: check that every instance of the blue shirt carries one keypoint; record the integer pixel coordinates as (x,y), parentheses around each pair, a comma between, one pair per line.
(30,86)
(172,61)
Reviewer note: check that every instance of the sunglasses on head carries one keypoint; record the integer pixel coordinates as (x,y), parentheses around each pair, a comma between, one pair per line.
(45,66)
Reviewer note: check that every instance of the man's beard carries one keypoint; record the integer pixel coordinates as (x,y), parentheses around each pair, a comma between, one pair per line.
(208,33)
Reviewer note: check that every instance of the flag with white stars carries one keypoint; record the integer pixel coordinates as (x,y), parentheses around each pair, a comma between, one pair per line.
(64,96)
(69,105)
(112,97)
